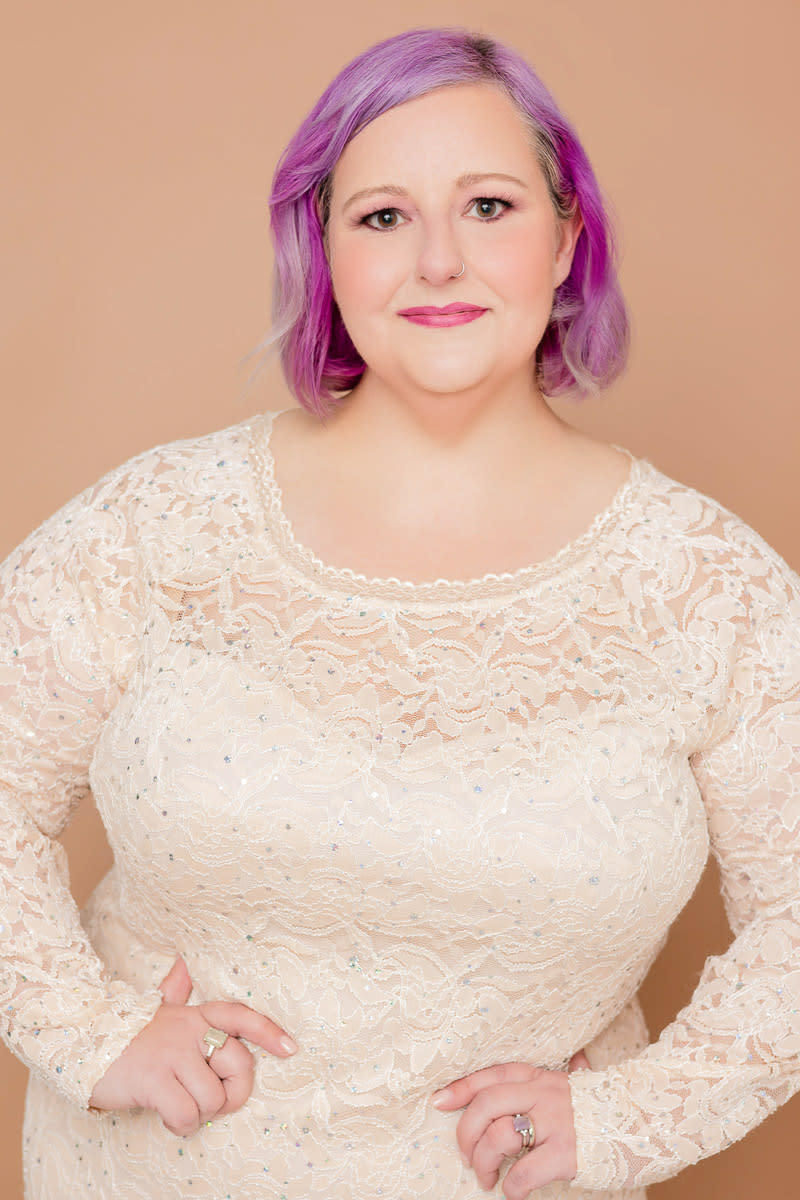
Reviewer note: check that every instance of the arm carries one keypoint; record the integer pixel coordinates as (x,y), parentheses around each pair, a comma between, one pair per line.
(733,1054)
(71,614)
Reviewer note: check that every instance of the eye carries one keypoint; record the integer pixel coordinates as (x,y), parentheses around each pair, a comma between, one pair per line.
(390,218)
(380,213)
(487,203)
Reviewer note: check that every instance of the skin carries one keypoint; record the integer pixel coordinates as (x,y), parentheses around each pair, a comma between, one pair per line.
(514,262)
(486,1135)
(453,419)
(164,1068)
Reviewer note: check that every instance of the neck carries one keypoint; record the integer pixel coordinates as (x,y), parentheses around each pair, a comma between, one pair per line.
(380,425)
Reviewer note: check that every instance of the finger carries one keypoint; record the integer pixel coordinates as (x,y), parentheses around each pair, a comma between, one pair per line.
(203,1085)
(536,1169)
(462,1091)
(176,986)
(488,1106)
(241,1021)
(233,1063)
(579,1062)
(177,1109)
(499,1141)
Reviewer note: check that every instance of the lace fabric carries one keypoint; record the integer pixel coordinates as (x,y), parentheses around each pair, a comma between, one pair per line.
(426,827)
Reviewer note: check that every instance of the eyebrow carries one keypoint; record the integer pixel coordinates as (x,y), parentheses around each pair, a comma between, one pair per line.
(463,181)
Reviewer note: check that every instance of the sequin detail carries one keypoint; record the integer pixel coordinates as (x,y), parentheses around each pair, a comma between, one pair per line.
(426,828)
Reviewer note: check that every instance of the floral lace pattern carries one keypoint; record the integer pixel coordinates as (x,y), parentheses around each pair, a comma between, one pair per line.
(426,827)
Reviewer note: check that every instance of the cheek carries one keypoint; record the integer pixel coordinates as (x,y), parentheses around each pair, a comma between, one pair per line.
(522,268)
(362,279)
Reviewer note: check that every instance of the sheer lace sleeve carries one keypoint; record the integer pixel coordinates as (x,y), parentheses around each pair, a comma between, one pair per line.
(733,1054)
(71,612)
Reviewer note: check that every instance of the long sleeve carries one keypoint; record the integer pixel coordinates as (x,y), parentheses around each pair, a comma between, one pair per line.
(71,615)
(732,1055)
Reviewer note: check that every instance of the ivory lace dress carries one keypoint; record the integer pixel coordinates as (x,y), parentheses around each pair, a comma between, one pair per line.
(427,827)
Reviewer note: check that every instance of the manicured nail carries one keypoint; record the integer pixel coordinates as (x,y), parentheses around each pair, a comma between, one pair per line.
(439,1099)
(288,1044)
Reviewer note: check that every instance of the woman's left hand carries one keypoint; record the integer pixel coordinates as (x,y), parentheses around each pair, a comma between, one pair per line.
(491,1098)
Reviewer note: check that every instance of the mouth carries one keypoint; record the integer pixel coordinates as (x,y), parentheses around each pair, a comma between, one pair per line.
(451,314)
(432,311)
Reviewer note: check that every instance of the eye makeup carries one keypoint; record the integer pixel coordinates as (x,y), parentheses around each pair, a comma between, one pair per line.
(506,201)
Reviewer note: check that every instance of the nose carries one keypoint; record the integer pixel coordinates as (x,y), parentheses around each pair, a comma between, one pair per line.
(438,256)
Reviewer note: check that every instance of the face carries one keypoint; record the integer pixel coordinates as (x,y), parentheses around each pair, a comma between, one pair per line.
(400,246)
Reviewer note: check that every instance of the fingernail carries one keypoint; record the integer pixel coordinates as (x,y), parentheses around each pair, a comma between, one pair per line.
(289,1045)
(439,1099)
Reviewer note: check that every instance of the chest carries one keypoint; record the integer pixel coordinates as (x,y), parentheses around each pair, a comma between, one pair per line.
(345,770)
(450,534)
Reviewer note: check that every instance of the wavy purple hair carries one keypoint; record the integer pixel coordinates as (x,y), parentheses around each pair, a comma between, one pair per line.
(585,344)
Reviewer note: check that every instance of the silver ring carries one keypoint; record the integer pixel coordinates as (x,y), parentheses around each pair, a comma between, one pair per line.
(523,1125)
(461,272)
(214,1039)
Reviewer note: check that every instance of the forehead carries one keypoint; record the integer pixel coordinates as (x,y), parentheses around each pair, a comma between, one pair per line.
(452,130)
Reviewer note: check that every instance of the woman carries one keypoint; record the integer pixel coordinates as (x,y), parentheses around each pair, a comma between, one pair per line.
(411,715)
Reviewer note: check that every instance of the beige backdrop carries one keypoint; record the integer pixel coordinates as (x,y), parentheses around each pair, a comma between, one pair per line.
(139,141)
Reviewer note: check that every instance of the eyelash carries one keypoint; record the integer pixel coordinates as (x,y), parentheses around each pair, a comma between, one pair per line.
(506,201)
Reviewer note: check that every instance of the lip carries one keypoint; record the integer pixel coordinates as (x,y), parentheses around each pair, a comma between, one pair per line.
(430,310)
(451,314)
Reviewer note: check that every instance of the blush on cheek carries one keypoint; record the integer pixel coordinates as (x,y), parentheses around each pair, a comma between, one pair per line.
(515,271)
(364,282)
(536,266)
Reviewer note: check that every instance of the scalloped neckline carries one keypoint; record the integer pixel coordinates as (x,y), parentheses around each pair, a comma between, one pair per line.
(493,584)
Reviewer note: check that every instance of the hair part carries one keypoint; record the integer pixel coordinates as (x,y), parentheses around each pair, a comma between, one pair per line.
(585,345)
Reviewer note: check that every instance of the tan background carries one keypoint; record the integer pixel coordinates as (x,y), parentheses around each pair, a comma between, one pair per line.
(139,140)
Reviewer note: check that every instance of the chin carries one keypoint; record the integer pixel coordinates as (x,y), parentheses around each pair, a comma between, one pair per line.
(436,376)
(448,387)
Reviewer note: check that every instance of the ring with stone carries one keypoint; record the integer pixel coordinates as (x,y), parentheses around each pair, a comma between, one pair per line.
(214,1039)
(523,1125)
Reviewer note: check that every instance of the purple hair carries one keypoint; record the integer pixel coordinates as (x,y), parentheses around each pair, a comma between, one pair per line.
(585,344)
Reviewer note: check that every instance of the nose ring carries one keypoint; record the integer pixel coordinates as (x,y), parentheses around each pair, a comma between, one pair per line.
(461,272)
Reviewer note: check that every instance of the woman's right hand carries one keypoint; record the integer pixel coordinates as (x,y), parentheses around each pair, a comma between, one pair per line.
(165,1068)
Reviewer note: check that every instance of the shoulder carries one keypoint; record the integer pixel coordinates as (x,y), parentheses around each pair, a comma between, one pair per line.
(191,500)
(192,467)
(688,531)
(176,492)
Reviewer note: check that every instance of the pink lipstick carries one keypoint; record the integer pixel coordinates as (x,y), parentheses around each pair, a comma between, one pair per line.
(451,314)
